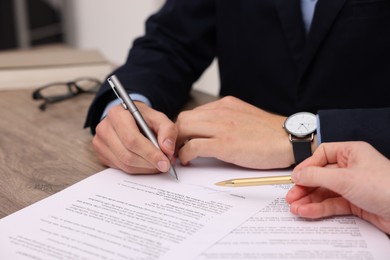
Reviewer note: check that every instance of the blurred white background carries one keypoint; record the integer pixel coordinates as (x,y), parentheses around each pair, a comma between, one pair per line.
(109,26)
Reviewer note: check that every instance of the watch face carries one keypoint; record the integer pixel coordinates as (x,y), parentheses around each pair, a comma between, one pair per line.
(301,124)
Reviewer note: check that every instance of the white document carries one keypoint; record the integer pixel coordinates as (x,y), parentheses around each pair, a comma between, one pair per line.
(274,233)
(112,215)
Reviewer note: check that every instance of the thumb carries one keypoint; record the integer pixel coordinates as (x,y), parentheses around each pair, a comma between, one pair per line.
(334,179)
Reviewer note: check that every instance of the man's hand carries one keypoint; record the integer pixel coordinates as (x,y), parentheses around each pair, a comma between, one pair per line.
(236,132)
(120,144)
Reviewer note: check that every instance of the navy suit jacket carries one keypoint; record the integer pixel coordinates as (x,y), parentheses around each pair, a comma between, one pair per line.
(340,69)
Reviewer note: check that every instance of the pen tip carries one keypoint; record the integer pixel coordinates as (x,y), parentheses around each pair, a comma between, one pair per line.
(173,173)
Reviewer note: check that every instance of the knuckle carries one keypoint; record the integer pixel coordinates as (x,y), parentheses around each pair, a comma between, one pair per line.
(161,115)
(181,120)
(181,116)
(130,142)
(228,100)
(100,128)
(188,150)
(363,145)
(98,145)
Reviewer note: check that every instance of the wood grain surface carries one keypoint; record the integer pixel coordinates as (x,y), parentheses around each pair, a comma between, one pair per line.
(43,152)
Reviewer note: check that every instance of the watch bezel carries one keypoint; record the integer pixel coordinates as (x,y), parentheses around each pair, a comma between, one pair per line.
(300,134)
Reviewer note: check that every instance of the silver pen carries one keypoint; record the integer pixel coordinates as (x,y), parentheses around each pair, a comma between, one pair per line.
(128,104)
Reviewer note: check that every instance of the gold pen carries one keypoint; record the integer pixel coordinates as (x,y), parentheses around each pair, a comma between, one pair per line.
(270,180)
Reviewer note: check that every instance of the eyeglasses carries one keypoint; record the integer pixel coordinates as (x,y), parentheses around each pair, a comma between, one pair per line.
(59,91)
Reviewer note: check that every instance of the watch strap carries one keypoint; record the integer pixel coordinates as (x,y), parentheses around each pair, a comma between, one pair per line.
(301,149)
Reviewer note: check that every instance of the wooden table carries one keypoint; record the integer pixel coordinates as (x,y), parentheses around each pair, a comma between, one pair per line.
(42,153)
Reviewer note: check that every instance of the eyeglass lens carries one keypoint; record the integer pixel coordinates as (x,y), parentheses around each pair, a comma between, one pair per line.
(60,91)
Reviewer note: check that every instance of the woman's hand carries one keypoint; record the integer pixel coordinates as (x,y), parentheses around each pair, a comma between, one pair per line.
(341,179)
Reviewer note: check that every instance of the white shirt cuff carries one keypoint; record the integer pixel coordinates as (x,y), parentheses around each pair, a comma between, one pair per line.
(134,97)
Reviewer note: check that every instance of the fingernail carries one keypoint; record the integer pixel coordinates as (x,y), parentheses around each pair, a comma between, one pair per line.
(162,166)
(169,144)
(295,176)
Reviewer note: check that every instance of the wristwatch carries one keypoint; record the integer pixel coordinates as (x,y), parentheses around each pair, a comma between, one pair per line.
(301,128)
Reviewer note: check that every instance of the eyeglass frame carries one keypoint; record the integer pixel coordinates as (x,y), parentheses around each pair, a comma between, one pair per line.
(73,90)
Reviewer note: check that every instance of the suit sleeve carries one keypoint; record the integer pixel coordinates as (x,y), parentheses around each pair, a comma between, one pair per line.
(178,45)
(370,125)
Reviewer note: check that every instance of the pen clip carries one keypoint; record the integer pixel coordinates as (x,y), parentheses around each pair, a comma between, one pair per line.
(112,84)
